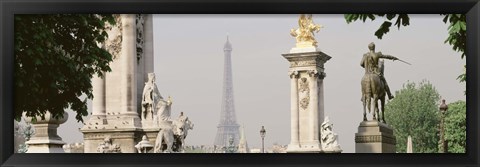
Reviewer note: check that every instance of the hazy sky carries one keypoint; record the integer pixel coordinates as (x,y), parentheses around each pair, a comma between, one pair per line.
(189,67)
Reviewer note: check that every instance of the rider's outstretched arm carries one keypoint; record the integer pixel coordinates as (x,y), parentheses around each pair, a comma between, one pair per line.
(387,57)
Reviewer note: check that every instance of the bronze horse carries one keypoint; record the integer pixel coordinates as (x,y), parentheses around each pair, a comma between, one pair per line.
(373,87)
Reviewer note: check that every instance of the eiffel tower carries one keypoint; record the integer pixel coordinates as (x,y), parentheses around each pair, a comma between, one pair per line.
(227,126)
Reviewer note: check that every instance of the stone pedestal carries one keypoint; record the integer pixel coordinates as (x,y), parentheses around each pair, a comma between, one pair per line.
(126,139)
(374,137)
(46,139)
(307,102)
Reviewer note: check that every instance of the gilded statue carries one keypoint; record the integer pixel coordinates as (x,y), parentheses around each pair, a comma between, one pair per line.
(304,34)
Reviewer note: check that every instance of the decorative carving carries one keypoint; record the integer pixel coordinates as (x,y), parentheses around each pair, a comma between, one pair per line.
(303,63)
(304,85)
(108,147)
(304,102)
(293,74)
(114,42)
(140,22)
(313,73)
(305,90)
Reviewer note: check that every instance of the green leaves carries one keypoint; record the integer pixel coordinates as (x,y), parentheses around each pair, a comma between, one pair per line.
(402,20)
(456,126)
(55,57)
(384,28)
(414,112)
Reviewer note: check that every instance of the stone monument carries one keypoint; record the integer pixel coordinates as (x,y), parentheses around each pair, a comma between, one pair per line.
(374,136)
(307,74)
(127,104)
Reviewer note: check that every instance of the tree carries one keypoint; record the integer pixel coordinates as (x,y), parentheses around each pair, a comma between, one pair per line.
(455,127)
(22,134)
(457,29)
(55,58)
(414,111)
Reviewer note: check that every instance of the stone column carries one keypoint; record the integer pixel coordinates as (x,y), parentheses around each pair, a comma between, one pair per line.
(294,127)
(129,58)
(314,106)
(148,44)
(321,100)
(310,65)
(98,110)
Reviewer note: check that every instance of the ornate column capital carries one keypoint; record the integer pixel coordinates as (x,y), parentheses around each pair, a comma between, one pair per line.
(293,74)
(322,75)
(313,73)
(316,73)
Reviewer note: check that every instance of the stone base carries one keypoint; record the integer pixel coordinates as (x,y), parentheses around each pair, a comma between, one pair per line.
(126,139)
(374,137)
(45,146)
(303,49)
(305,148)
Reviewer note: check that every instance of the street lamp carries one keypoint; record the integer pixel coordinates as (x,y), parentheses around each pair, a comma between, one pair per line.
(262,134)
(443,144)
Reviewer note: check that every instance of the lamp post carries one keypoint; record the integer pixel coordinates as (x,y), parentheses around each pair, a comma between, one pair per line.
(442,143)
(262,134)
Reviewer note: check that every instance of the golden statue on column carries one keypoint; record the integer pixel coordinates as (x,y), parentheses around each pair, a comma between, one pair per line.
(305,32)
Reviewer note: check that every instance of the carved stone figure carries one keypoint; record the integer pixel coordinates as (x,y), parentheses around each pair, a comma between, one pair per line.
(171,137)
(329,138)
(181,126)
(163,109)
(164,141)
(150,97)
(373,82)
(108,147)
(304,34)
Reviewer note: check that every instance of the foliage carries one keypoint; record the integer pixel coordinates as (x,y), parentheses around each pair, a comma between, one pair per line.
(414,111)
(55,58)
(457,29)
(455,127)
(22,134)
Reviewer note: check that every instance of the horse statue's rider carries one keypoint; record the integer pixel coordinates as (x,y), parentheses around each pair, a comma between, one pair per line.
(373,82)
(372,64)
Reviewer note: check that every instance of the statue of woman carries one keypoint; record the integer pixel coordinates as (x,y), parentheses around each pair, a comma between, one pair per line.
(150,96)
